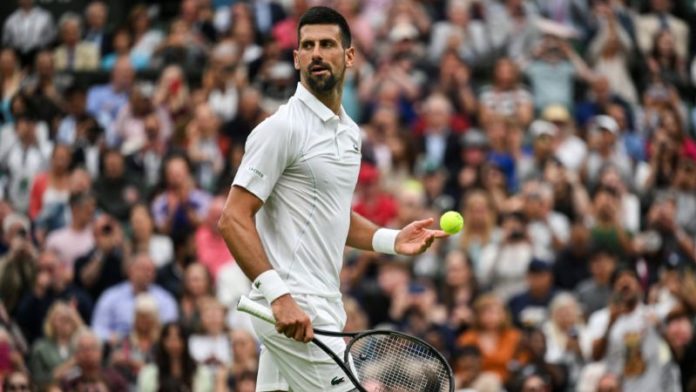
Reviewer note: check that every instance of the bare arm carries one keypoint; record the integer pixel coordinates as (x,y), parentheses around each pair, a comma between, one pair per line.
(413,239)
(360,232)
(238,228)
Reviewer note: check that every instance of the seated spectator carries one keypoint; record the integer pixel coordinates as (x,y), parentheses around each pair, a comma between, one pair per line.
(181,207)
(129,126)
(480,229)
(571,266)
(145,157)
(73,54)
(197,287)
(371,201)
(146,39)
(115,191)
(23,155)
(595,292)
(174,367)
(52,187)
(211,346)
(569,148)
(172,94)
(204,147)
(567,341)
(506,96)
(144,239)
(171,276)
(181,46)
(544,141)
(468,374)
(51,356)
(548,230)
(18,264)
(529,308)
(534,349)
(52,283)
(505,263)
(27,41)
(17,381)
(492,333)
(103,266)
(104,102)
(659,19)
(460,33)
(610,176)
(113,314)
(678,329)
(75,240)
(606,150)
(81,131)
(211,249)
(87,372)
(96,31)
(135,351)
(605,223)
(683,186)
(245,353)
(460,283)
(221,82)
(624,333)
(552,72)
(122,44)
(455,80)
(11,78)
(46,86)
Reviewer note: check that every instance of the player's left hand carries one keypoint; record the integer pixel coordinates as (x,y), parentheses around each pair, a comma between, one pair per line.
(416,238)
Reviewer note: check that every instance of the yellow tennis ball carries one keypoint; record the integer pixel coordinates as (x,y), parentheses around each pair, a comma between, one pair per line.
(451,222)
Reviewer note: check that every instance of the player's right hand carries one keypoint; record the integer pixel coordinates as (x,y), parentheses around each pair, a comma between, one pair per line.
(291,320)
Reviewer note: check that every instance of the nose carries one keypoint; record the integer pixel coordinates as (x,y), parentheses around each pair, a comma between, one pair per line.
(316,52)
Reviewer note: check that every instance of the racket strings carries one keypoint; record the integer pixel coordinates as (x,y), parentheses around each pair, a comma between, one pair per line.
(391,363)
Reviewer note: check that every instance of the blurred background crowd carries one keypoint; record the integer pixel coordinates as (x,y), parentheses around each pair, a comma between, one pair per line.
(561,129)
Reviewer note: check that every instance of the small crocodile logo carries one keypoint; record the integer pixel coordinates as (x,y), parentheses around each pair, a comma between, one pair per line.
(257,284)
(337,380)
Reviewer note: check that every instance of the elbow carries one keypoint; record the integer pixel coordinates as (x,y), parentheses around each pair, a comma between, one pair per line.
(230,222)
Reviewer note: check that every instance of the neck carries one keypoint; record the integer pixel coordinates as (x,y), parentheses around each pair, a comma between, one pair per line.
(331,99)
(76,225)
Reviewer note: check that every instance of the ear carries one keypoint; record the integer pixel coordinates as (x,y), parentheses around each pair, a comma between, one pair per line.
(350,57)
(296,60)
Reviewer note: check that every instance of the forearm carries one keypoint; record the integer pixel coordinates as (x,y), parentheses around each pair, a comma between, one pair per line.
(243,241)
(360,232)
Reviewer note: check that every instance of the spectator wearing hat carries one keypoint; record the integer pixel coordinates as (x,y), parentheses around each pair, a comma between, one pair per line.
(569,148)
(73,54)
(113,314)
(594,292)
(529,308)
(544,141)
(28,29)
(625,334)
(605,150)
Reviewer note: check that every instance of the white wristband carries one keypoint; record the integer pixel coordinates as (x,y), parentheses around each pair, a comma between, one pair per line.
(271,285)
(384,241)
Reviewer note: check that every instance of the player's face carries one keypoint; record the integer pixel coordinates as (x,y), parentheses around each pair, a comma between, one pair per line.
(321,58)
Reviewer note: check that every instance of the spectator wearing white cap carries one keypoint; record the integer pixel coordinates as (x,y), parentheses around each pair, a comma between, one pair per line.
(605,151)
(543,143)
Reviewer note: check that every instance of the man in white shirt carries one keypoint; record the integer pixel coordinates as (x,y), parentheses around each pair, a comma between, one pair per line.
(288,215)
(28,29)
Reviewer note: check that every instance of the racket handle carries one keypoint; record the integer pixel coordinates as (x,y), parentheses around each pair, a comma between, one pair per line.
(256,310)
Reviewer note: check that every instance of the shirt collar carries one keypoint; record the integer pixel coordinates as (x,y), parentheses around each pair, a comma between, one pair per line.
(315,105)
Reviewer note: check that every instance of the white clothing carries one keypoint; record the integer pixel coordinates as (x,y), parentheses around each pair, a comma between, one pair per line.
(161,250)
(504,267)
(542,234)
(303,162)
(206,348)
(285,363)
(572,152)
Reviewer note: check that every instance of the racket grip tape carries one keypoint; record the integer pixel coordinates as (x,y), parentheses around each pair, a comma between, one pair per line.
(248,306)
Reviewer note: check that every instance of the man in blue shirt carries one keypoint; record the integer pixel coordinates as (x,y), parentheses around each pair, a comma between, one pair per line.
(105,101)
(113,315)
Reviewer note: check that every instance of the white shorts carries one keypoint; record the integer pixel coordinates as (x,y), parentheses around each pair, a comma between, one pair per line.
(288,365)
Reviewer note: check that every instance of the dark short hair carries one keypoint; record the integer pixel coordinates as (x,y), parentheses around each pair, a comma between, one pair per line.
(325,15)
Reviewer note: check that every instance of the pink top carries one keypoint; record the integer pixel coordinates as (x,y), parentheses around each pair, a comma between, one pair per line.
(211,249)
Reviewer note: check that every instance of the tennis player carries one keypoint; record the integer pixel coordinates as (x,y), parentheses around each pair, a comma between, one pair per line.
(288,215)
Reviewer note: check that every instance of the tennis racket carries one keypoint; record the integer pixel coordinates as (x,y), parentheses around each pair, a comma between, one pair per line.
(380,360)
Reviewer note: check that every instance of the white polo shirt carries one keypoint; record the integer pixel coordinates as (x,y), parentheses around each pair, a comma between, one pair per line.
(303,163)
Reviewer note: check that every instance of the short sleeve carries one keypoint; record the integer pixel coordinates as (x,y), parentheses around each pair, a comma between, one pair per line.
(269,150)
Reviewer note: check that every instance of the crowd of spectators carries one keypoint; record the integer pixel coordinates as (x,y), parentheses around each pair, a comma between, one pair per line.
(563,130)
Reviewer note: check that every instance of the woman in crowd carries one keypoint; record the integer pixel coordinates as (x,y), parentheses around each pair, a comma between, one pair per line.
(10,79)
(198,285)
(52,187)
(174,369)
(492,333)
(51,356)
(136,350)
(211,346)
(479,225)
